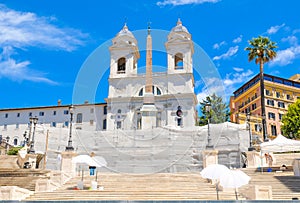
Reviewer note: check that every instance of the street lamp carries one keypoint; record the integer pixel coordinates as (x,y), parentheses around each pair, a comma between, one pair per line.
(34,120)
(30,128)
(70,147)
(248,116)
(207,110)
(25,138)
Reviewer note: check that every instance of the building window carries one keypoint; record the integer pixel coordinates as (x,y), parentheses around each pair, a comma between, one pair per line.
(271,115)
(79,118)
(66,124)
(54,113)
(41,113)
(6,115)
(270,102)
(18,114)
(281,104)
(17,126)
(104,124)
(158,92)
(280,116)
(15,142)
(257,127)
(288,97)
(30,114)
(105,110)
(273,130)
(178,61)
(253,106)
(141,92)
(277,94)
(66,112)
(121,65)
(91,122)
(53,124)
(119,111)
(92,110)
(247,110)
(268,92)
(119,124)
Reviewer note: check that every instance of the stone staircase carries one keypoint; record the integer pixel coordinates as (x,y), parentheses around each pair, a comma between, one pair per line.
(24,178)
(159,186)
(152,151)
(285,185)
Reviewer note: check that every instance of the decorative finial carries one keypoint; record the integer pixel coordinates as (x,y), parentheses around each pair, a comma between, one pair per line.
(125,21)
(149,23)
(179,22)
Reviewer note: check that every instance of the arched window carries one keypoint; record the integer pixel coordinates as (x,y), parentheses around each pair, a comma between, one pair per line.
(15,142)
(141,92)
(178,61)
(119,111)
(158,92)
(79,118)
(121,65)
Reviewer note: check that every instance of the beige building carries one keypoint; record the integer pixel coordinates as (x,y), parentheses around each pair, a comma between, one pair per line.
(279,94)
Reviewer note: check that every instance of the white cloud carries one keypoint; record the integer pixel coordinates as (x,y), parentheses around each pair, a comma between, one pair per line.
(184,2)
(238,39)
(290,39)
(238,69)
(286,56)
(231,51)
(19,71)
(218,45)
(275,29)
(225,87)
(236,78)
(20,30)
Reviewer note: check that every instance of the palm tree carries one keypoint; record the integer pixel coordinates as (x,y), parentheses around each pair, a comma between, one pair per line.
(262,50)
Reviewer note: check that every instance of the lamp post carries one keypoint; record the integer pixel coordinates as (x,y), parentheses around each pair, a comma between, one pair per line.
(25,138)
(30,128)
(248,116)
(70,147)
(207,110)
(34,121)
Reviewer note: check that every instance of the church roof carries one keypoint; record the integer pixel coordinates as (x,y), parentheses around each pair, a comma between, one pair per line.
(179,27)
(125,31)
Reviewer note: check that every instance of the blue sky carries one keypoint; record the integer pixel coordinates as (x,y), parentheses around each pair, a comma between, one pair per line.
(44,43)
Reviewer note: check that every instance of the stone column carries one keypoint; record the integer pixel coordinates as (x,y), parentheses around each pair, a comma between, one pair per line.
(66,163)
(210,157)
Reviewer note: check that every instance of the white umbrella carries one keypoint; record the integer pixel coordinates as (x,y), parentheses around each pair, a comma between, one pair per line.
(214,172)
(234,179)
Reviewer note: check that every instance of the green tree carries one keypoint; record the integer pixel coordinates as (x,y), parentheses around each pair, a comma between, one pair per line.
(219,112)
(291,121)
(262,50)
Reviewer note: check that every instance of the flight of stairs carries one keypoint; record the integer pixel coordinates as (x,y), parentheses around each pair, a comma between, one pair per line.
(285,185)
(24,178)
(160,186)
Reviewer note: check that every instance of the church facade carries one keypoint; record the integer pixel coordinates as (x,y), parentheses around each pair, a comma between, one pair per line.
(135,101)
(145,101)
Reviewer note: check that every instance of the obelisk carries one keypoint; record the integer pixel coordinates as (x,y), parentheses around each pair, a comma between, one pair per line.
(148,109)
